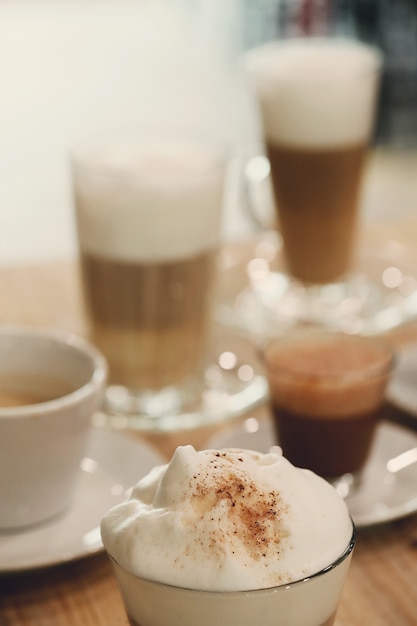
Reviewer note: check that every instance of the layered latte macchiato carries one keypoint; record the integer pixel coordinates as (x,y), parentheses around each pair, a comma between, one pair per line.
(153,313)
(317,100)
(148,216)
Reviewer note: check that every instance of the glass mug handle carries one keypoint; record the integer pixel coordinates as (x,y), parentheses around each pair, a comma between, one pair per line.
(257,195)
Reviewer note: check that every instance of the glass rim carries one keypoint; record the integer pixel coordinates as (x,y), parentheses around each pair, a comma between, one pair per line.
(347,551)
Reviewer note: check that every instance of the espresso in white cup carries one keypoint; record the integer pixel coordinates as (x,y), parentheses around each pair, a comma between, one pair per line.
(50,385)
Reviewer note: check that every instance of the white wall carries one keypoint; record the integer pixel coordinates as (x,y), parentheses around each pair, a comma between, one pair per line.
(70,69)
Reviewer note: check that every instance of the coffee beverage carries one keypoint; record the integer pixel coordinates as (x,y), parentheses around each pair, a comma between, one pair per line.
(316,99)
(27,390)
(327,397)
(245,551)
(10,399)
(22,398)
(317,219)
(150,319)
(332,447)
(148,217)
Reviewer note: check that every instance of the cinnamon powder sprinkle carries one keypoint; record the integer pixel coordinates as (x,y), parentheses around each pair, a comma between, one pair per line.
(254,517)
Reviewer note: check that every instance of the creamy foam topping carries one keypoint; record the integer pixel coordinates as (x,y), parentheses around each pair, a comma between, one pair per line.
(228,520)
(328,375)
(316,92)
(148,201)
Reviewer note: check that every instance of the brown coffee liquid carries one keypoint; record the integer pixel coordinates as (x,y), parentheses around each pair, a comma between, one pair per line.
(329,447)
(21,398)
(15,391)
(317,192)
(149,319)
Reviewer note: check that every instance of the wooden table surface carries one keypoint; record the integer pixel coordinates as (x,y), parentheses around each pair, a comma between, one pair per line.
(381,589)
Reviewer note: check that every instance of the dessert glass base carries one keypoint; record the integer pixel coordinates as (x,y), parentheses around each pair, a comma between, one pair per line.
(232,383)
(257,297)
(312,601)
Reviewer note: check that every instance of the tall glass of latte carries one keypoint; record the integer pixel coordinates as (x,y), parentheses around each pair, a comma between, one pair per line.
(148,215)
(317,101)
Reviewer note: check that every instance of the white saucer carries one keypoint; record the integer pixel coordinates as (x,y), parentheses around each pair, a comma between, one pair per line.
(402,390)
(256,297)
(112,464)
(383,495)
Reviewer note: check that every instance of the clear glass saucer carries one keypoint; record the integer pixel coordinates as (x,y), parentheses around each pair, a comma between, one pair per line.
(233,383)
(256,297)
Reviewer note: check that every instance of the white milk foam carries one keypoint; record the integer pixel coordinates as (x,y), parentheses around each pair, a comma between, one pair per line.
(228,520)
(152,201)
(316,92)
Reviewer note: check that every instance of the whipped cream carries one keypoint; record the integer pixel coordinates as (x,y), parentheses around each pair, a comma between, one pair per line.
(227,520)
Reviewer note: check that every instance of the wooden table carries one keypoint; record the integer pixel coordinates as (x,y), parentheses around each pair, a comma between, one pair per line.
(381,589)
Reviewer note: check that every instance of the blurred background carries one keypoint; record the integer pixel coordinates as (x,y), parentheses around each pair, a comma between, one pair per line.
(72,69)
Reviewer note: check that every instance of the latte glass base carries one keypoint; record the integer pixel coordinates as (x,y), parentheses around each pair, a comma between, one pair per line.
(232,384)
(379,294)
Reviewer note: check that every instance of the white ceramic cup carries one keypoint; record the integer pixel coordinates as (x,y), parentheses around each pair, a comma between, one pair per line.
(50,385)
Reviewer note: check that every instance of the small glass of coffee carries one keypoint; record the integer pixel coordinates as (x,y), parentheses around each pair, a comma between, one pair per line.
(148,214)
(316,99)
(327,395)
